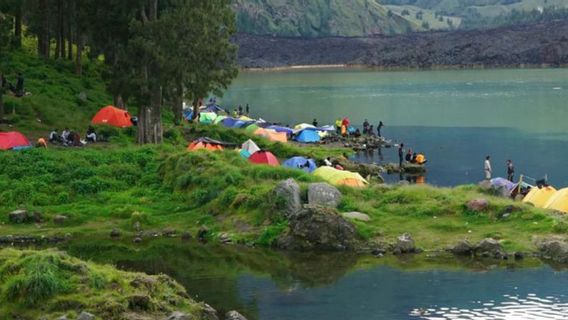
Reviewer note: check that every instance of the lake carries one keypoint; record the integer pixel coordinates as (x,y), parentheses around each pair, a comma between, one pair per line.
(264,284)
(456,117)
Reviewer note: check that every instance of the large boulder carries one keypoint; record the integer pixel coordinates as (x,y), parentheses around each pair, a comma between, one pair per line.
(323,194)
(176,315)
(489,248)
(289,191)
(554,249)
(478,205)
(208,313)
(405,244)
(319,228)
(356,216)
(462,248)
(85,316)
(234,315)
(23,216)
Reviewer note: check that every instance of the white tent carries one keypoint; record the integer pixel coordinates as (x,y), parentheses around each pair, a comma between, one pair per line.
(250,147)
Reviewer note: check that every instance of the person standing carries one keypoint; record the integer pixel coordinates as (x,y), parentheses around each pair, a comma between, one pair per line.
(20,85)
(510,170)
(487,168)
(366,126)
(400,156)
(247,109)
(379,128)
(315,122)
(240,110)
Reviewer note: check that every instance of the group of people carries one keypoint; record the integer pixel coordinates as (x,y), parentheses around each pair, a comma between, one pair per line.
(369,129)
(71,138)
(410,157)
(239,111)
(488,169)
(18,90)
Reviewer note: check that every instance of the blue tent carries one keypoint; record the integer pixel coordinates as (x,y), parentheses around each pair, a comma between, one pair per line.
(308,165)
(188,114)
(213,108)
(308,136)
(286,130)
(231,122)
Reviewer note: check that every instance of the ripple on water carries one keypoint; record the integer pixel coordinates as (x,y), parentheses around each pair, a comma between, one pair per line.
(530,307)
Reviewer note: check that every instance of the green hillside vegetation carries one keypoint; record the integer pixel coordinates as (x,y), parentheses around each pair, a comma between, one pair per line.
(51,283)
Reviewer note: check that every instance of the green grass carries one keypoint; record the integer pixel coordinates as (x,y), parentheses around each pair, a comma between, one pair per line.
(50,282)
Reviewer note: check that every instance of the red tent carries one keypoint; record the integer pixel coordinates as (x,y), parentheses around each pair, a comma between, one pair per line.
(113,116)
(264,157)
(11,140)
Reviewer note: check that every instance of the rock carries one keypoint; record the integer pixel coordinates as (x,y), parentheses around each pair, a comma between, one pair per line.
(85,316)
(35,217)
(186,235)
(319,228)
(356,216)
(208,313)
(462,248)
(18,216)
(169,233)
(137,226)
(115,233)
(137,240)
(139,303)
(554,249)
(489,248)
(519,255)
(485,185)
(59,219)
(323,194)
(404,183)
(225,238)
(176,315)
(63,318)
(142,282)
(289,191)
(404,244)
(234,315)
(202,233)
(478,205)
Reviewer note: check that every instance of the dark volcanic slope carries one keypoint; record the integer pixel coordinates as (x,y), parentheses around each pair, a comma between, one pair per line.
(512,46)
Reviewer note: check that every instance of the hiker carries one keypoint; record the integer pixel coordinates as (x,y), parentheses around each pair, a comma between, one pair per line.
(20,85)
(338,125)
(379,128)
(400,155)
(65,135)
(346,122)
(365,126)
(41,143)
(487,168)
(134,121)
(408,156)
(247,109)
(240,110)
(510,170)
(327,162)
(91,135)
(54,136)
(315,122)
(343,130)
(75,139)
(371,131)
(420,159)
(357,133)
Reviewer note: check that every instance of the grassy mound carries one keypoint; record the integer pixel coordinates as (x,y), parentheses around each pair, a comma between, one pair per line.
(51,283)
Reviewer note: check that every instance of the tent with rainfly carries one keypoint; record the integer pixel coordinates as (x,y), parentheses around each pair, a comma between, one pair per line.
(539,197)
(13,141)
(286,130)
(559,201)
(308,165)
(250,147)
(112,116)
(340,177)
(272,135)
(219,119)
(308,136)
(264,157)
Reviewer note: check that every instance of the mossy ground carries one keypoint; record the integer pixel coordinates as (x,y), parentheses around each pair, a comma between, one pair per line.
(51,283)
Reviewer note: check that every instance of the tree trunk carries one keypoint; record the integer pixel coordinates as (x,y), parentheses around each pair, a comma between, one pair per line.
(177,102)
(118,101)
(44,32)
(62,24)
(18,27)
(70,15)
(1,98)
(79,58)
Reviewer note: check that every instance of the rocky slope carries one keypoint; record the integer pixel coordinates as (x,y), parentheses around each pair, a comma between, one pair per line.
(538,44)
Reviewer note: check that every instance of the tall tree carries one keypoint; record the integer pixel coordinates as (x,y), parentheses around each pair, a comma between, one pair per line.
(44,38)
(5,30)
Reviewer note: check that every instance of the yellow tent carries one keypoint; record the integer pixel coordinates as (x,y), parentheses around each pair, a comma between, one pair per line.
(539,196)
(340,177)
(559,201)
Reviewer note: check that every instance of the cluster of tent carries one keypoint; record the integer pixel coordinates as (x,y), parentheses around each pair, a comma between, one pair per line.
(547,197)
(304,133)
(13,140)
(254,154)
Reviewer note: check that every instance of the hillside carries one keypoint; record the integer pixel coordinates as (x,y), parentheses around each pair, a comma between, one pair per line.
(537,44)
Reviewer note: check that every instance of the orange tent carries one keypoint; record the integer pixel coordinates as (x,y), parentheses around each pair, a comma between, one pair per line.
(272,135)
(198,145)
(113,116)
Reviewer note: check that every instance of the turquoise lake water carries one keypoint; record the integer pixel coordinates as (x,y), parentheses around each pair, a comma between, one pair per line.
(455,117)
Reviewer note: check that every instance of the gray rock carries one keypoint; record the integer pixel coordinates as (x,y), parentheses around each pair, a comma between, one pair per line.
(319,228)
(289,190)
(63,318)
(462,248)
(554,249)
(176,315)
(186,235)
(85,316)
(489,248)
(208,313)
(356,216)
(18,216)
(139,302)
(82,96)
(60,219)
(478,205)
(404,244)
(115,233)
(234,315)
(323,194)
(137,240)
(225,238)
(169,233)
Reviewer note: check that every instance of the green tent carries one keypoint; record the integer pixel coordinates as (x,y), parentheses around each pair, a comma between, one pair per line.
(207,117)
(219,119)
(252,128)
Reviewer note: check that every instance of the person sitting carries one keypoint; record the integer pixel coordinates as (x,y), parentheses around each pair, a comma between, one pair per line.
(54,136)
(357,133)
(413,158)
(134,121)
(408,156)
(75,139)
(327,162)
(91,135)
(421,159)
(65,135)
(371,131)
